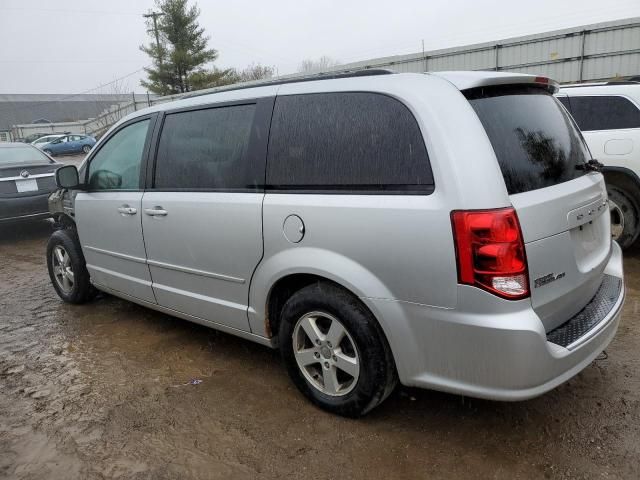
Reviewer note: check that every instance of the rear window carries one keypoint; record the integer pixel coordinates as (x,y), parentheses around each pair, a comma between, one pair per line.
(22,155)
(604,112)
(535,141)
(347,141)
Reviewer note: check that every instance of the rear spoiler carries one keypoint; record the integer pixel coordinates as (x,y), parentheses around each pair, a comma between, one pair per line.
(468,80)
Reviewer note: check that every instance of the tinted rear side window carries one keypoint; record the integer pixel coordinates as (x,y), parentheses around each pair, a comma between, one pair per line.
(565,101)
(346,141)
(207,150)
(535,141)
(604,113)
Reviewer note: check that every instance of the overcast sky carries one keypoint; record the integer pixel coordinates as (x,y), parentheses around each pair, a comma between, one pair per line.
(78,45)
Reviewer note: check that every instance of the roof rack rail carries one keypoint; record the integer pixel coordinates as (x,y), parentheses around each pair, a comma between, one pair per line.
(369,72)
(622,82)
(601,84)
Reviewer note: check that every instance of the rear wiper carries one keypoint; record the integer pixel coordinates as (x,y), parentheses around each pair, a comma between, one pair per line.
(591,166)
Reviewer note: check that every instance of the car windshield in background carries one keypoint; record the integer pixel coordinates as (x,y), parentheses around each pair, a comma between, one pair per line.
(22,155)
(535,141)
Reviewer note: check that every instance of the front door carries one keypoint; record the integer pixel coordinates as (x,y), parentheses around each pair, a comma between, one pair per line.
(202,219)
(109,213)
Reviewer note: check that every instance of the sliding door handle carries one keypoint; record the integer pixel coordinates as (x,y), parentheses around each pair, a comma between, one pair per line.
(156,212)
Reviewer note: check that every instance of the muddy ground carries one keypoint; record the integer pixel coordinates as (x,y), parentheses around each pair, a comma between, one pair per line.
(96,391)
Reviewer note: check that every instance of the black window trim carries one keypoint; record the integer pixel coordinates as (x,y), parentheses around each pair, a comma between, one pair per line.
(257,149)
(152,117)
(620,95)
(397,189)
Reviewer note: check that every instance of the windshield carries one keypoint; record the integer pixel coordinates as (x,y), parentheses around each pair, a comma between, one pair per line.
(22,155)
(535,141)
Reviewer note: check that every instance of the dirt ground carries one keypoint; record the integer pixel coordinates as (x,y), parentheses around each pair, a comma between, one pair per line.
(97,391)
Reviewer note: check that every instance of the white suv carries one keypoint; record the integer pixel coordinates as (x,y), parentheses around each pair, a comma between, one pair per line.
(609,116)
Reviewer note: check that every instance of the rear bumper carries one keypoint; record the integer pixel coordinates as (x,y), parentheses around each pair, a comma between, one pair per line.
(24,207)
(473,350)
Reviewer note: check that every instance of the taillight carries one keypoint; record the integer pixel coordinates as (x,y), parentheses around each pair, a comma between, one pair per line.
(490,251)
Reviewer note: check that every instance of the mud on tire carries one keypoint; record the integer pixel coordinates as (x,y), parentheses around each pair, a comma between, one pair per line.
(377,375)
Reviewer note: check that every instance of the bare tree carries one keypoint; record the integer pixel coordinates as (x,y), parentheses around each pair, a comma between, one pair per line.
(321,64)
(254,72)
(119,91)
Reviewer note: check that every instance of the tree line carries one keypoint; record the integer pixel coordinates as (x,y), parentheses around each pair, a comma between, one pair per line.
(182,60)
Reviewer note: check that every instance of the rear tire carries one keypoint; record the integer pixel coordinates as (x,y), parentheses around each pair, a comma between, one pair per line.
(359,346)
(67,268)
(625,215)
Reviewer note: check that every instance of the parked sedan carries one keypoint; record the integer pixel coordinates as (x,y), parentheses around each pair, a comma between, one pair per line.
(69,144)
(26,180)
(42,141)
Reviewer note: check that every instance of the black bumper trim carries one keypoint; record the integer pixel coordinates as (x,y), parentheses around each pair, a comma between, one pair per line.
(591,315)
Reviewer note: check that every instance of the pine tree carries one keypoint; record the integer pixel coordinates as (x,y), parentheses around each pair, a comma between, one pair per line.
(181,54)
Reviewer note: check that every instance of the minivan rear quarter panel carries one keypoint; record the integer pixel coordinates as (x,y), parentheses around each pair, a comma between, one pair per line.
(393,247)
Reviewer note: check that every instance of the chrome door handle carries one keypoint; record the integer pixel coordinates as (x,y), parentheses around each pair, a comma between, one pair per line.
(156,212)
(126,210)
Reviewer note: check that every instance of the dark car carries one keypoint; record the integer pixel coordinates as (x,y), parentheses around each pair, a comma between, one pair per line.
(26,180)
(69,144)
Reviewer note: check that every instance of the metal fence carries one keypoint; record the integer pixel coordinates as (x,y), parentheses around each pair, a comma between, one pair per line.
(588,53)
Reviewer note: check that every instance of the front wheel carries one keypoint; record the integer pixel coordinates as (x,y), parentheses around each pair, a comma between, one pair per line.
(335,351)
(86,149)
(625,216)
(48,152)
(67,268)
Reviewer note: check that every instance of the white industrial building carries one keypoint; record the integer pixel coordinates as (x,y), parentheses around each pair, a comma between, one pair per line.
(602,51)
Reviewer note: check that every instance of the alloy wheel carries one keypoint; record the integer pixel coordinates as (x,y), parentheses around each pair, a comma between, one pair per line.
(62,269)
(617,219)
(326,354)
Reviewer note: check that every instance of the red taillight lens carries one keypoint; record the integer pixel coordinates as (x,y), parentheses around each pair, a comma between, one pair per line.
(490,251)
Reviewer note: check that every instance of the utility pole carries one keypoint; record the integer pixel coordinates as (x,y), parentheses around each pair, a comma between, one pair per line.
(154,16)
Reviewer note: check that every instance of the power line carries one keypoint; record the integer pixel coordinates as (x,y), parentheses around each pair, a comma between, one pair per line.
(57,10)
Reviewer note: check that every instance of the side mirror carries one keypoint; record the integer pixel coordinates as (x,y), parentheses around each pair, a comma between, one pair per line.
(67,177)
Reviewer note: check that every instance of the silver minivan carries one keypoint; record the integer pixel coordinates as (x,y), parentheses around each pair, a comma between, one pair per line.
(444,230)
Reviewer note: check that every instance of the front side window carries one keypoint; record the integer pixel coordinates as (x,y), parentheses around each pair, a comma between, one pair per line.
(604,112)
(366,142)
(116,166)
(207,150)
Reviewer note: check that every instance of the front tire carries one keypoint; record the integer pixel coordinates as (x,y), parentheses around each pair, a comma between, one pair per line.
(335,351)
(67,268)
(48,152)
(86,149)
(625,216)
